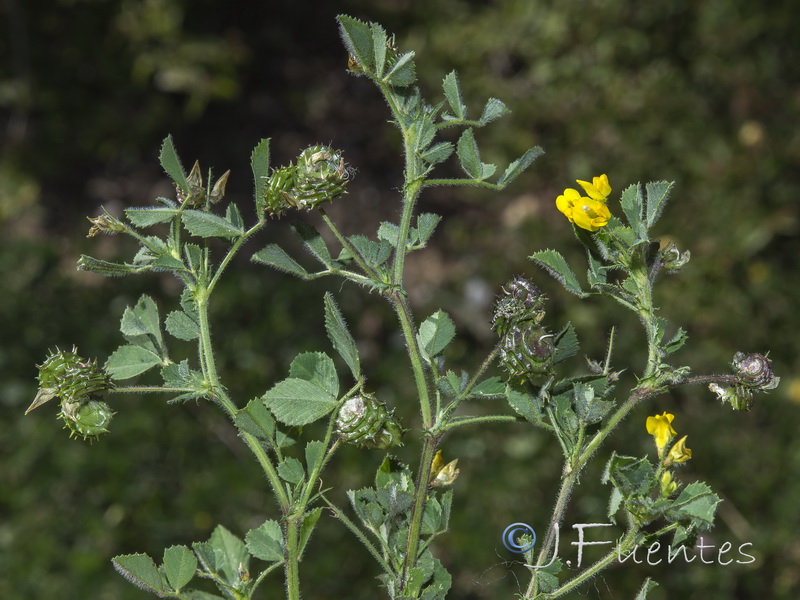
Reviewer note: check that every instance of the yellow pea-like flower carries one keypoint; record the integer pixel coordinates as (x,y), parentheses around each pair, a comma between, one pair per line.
(598,189)
(587,212)
(679,453)
(441,474)
(660,427)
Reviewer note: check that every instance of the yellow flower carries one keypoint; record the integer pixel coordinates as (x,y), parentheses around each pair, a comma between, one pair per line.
(598,189)
(586,213)
(660,427)
(679,453)
(443,475)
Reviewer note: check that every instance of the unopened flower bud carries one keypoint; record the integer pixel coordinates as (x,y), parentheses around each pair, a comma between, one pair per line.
(667,484)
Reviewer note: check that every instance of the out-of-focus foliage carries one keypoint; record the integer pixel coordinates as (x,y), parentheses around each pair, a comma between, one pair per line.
(705,93)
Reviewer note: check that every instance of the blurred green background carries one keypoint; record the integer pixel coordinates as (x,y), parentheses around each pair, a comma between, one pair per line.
(702,92)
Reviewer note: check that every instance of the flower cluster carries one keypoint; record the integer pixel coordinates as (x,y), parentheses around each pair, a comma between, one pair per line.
(587,212)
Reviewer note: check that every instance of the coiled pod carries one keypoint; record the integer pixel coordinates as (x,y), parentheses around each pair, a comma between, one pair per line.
(526,351)
(365,421)
(754,371)
(77,383)
(87,419)
(520,301)
(526,347)
(319,176)
(51,375)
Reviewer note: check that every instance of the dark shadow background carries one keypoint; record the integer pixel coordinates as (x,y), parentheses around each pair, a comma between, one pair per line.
(705,93)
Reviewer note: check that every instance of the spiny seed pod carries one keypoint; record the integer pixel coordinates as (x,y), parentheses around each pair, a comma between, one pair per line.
(279,187)
(83,381)
(526,347)
(51,375)
(754,371)
(526,351)
(365,421)
(319,176)
(87,419)
(76,382)
(520,301)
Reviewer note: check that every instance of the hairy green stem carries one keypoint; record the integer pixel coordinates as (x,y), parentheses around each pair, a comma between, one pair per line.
(462,421)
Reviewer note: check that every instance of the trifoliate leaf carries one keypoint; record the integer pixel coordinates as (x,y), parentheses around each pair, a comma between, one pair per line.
(696,503)
(566,343)
(129,361)
(524,404)
(105,268)
(379,43)
(340,336)
(468,154)
(403,72)
(256,420)
(315,452)
(493,387)
(171,164)
(291,470)
(204,224)
(145,217)
(182,326)
(180,375)
(259,162)
(632,476)
(310,519)
(275,256)
(648,586)
(493,110)
(390,233)
(142,319)
(314,243)
(233,551)
(357,38)
(180,565)
(437,153)
(557,266)
(266,542)
(436,332)
(317,368)
(632,203)
(657,196)
(374,254)
(452,93)
(298,402)
(519,165)
(426,224)
(141,571)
